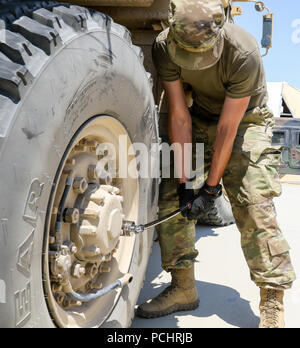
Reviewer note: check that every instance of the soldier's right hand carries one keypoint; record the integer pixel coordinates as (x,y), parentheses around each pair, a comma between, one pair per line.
(202,203)
(185,196)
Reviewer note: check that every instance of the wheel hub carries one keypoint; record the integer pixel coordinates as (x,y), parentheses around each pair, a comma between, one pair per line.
(85,251)
(100,222)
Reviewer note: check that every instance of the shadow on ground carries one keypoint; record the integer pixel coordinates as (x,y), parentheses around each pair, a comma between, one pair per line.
(215,299)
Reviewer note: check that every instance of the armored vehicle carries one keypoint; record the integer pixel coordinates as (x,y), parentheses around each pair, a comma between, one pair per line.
(75,98)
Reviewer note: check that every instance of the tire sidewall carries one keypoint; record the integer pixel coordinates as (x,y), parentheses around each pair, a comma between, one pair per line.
(69,90)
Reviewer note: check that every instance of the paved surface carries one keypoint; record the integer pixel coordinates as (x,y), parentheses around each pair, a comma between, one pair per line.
(228,297)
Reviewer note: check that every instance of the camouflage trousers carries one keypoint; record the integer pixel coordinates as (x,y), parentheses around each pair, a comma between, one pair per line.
(251,181)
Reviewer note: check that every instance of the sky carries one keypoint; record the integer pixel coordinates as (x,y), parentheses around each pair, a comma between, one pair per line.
(283,60)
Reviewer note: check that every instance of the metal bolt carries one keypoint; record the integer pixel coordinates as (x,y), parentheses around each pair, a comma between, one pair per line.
(73,249)
(94,284)
(67,303)
(69,248)
(80,148)
(92,173)
(90,214)
(71,162)
(116,248)
(90,231)
(51,239)
(91,251)
(91,270)
(105,178)
(68,171)
(91,143)
(59,238)
(104,269)
(53,255)
(56,287)
(80,185)
(106,258)
(59,297)
(71,215)
(78,270)
(114,251)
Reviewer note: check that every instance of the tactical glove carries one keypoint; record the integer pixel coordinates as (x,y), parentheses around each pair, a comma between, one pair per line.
(204,201)
(185,196)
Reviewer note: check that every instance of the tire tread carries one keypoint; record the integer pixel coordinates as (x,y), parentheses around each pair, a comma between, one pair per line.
(32,25)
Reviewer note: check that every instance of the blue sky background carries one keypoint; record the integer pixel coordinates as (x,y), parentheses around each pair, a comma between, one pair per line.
(283,60)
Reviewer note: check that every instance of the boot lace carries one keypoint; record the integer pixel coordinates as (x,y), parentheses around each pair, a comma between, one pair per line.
(271,310)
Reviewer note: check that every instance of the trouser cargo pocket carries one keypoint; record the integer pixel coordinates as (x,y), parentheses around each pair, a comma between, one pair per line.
(278,245)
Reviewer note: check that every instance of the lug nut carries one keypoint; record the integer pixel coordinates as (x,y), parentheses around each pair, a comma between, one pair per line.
(90,214)
(67,303)
(68,171)
(89,143)
(91,270)
(104,269)
(80,185)
(71,215)
(56,287)
(90,231)
(80,148)
(92,173)
(94,285)
(71,162)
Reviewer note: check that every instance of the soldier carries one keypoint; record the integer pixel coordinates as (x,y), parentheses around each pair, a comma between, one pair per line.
(222,64)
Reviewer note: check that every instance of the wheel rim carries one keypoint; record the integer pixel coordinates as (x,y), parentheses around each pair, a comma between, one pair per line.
(86,247)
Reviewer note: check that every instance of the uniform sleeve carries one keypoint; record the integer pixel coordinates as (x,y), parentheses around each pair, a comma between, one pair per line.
(248,78)
(167,70)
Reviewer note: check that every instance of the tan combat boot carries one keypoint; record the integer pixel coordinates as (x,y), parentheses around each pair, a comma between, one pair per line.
(271,309)
(181,295)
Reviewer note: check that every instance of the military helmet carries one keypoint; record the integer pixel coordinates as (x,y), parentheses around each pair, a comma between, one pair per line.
(195,39)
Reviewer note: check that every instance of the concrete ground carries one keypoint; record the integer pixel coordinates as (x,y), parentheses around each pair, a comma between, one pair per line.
(228,297)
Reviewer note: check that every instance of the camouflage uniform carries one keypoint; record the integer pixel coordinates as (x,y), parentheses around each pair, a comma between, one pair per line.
(251,178)
(251,181)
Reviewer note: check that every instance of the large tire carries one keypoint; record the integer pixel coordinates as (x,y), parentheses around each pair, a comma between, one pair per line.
(60,69)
